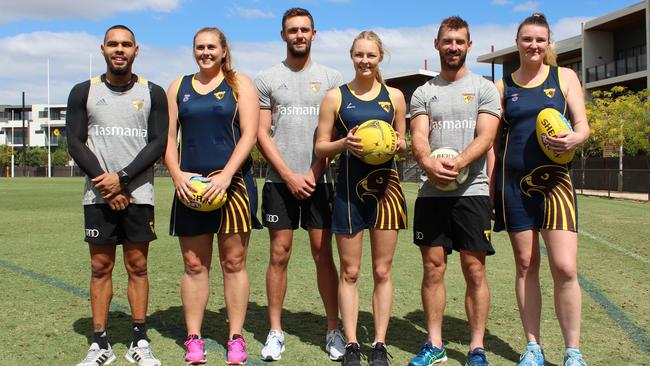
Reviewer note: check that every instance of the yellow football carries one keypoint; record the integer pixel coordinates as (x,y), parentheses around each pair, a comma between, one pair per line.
(448,152)
(198,202)
(379,141)
(550,122)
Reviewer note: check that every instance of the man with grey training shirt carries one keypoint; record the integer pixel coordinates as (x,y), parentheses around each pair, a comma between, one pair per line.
(298,188)
(460,110)
(117,129)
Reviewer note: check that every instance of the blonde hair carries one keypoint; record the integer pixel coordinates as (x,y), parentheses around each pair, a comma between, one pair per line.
(550,56)
(226,62)
(371,36)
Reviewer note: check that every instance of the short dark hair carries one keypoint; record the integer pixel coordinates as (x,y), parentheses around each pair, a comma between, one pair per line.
(119,26)
(297,12)
(453,22)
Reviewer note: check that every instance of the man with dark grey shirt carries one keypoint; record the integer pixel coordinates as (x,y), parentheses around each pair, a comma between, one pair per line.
(298,188)
(117,129)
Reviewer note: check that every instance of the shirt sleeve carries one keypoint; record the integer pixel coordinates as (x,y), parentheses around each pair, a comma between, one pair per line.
(157,126)
(418,103)
(336,80)
(263,91)
(76,124)
(489,102)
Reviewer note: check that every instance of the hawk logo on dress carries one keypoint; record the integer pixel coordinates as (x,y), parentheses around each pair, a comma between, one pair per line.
(515,97)
(236,212)
(137,104)
(186,97)
(219,95)
(554,182)
(550,92)
(468,98)
(383,185)
(385,106)
(315,86)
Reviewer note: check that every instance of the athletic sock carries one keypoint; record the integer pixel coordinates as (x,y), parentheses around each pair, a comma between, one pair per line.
(101,338)
(533,345)
(139,332)
(576,350)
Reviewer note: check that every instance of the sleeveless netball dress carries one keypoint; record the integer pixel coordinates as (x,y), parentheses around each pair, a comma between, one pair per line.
(367,196)
(532,191)
(209,131)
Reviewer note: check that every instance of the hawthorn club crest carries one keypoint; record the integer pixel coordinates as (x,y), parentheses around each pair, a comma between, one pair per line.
(550,92)
(385,106)
(315,86)
(219,95)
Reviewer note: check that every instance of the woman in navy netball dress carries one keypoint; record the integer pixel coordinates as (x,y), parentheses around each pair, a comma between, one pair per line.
(216,113)
(367,196)
(533,194)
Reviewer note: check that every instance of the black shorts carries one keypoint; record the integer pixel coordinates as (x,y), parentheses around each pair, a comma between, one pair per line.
(105,226)
(281,210)
(456,223)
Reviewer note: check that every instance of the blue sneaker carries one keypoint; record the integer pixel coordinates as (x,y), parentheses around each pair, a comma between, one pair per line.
(534,356)
(429,355)
(476,357)
(573,357)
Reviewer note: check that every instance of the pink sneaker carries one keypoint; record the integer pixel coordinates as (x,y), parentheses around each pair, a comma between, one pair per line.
(195,354)
(236,354)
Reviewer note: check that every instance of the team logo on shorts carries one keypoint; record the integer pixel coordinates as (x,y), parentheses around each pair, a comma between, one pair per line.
(272,218)
(468,98)
(488,234)
(138,104)
(385,106)
(550,92)
(219,95)
(315,86)
(186,97)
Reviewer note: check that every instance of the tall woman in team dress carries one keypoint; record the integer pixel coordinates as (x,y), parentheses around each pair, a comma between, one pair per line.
(216,112)
(534,195)
(367,196)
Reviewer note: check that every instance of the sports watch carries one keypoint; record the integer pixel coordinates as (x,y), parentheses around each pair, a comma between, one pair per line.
(124,178)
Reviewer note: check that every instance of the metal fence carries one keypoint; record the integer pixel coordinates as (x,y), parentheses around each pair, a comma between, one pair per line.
(612,180)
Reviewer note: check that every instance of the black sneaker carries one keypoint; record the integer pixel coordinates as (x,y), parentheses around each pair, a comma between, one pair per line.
(378,355)
(352,356)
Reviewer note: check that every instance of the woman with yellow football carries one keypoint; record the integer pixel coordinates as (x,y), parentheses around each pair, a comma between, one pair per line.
(367,196)
(533,194)
(216,110)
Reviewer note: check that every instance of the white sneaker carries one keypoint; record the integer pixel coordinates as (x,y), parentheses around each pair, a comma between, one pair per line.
(97,356)
(141,354)
(335,344)
(274,346)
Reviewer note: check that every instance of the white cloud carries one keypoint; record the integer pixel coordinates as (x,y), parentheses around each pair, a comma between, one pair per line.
(250,13)
(501,2)
(568,27)
(526,7)
(24,56)
(93,9)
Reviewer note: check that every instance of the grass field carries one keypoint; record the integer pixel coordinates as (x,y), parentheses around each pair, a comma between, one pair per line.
(45,317)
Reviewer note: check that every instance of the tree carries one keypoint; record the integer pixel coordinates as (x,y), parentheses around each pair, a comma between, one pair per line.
(35,156)
(60,157)
(5,155)
(619,117)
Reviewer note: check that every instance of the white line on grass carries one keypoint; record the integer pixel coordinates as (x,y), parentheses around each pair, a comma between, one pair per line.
(616,247)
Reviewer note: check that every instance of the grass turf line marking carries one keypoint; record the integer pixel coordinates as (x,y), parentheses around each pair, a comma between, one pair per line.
(633,331)
(615,247)
(210,344)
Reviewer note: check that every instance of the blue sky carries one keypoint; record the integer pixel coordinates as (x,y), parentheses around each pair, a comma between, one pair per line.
(69,32)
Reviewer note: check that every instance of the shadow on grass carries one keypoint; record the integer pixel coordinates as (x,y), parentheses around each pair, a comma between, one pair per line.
(310,328)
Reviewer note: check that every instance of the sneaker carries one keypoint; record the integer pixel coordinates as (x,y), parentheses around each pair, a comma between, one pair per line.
(573,357)
(97,356)
(476,357)
(236,351)
(352,356)
(534,356)
(335,344)
(378,355)
(141,354)
(274,346)
(429,355)
(195,354)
